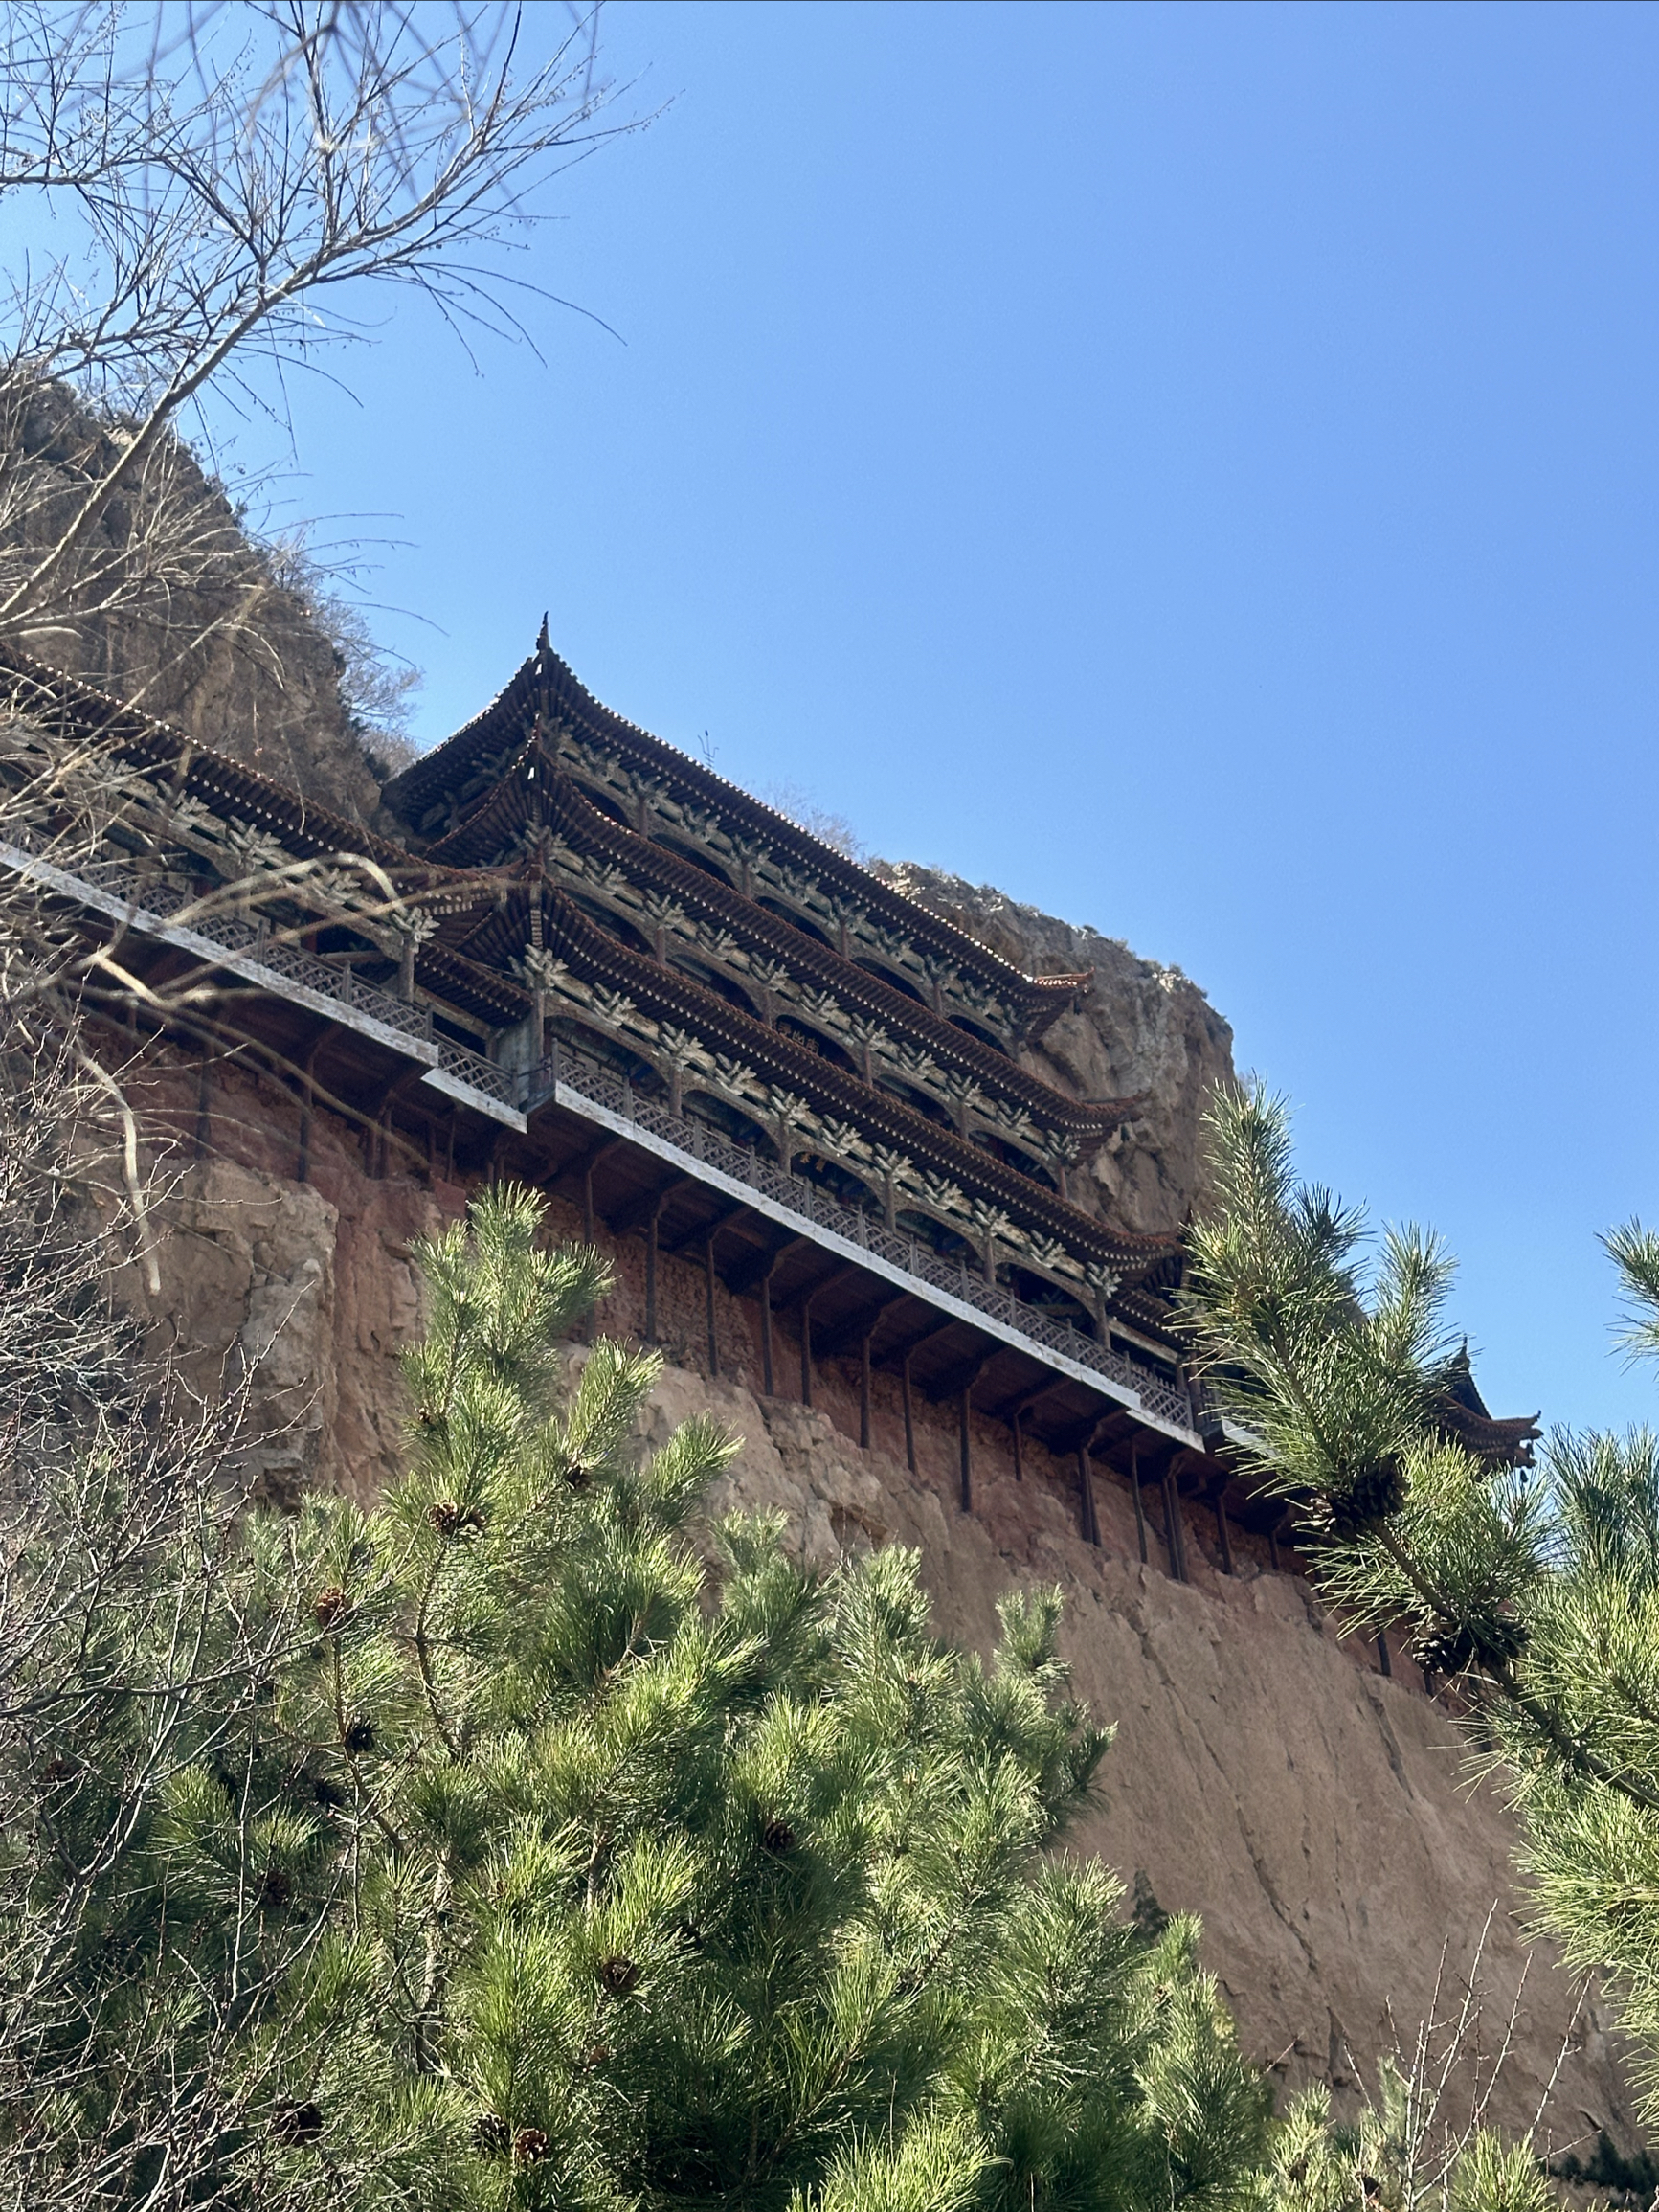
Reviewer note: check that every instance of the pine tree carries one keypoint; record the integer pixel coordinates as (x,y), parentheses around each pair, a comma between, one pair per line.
(644,1882)
(1535,1592)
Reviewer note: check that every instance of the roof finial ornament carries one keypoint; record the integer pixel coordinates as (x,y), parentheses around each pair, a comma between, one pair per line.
(543,643)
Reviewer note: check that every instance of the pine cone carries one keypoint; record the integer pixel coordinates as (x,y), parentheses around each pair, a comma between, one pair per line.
(58,1771)
(492,2136)
(451,1520)
(327,1795)
(331,1608)
(578,1474)
(1444,1649)
(619,1975)
(277,1889)
(530,2144)
(360,1738)
(298,2122)
(778,1837)
(1371,1496)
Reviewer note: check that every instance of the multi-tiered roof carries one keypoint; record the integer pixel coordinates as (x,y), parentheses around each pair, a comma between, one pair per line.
(670,1003)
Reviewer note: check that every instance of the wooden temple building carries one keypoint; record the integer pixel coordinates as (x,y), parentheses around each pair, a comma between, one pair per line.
(585,960)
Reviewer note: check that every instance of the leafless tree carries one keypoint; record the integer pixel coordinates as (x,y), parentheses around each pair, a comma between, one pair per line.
(235,185)
(227,186)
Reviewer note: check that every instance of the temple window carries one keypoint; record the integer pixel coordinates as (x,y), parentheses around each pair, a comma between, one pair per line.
(711,980)
(973,1029)
(894,982)
(730,1121)
(795,921)
(814,1042)
(608,919)
(681,850)
(918,1100)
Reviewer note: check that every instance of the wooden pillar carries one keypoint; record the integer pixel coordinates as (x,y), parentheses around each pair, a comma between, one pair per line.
(1086,1496)
(587,1205)
(1226,1542)
(1135,1485)
(651,1275)
(865,1391)
(1014,1425)
(806,1350)
(766,1333)
(204,1116)
(303,1165)
(909,1422)
(967,1442)
(1382,1659)
(1173,1544)
(708,1301)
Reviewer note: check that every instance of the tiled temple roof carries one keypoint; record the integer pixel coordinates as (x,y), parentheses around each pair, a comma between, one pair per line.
(464,768)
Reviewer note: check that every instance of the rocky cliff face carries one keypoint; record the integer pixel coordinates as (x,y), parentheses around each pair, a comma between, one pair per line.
(1265,1773)
(173,606)
(1141,1029)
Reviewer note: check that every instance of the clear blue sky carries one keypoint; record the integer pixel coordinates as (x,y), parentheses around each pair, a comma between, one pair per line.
(1192,466)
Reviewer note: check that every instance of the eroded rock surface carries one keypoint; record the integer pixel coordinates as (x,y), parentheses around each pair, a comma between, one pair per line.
(1141,1029)
(1264,1775)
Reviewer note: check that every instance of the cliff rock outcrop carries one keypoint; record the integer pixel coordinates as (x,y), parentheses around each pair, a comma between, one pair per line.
(174,605)
(1266,1774)
(1140,1030)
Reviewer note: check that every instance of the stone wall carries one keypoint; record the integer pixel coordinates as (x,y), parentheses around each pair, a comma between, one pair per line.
(1266,1774)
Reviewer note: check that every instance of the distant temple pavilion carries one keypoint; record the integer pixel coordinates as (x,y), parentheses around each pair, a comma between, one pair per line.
(604,969)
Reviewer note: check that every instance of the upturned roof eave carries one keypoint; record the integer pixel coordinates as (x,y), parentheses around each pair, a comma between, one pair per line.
(420,783)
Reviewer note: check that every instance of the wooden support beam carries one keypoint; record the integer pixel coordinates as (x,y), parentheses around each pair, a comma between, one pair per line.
(1085,1483)
(1174,1543)
(861,1327)
(647,1205)
(708,1303)
(765,1334)
(864,1392)
(651,1274)
(910,1417)
(964,1376)
(936,1327)
(1135,1485)
(764,1263)
(806,1350)
(1014,1430)
(1219,1500)
(204,1116)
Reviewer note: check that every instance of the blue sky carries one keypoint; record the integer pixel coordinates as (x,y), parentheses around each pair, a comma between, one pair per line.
(1192,466)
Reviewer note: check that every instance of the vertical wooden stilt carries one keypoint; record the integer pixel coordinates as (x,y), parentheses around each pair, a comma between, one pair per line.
(708,1301)
(806,1350)
(651,1275)
(766,1333)
(303,1165)
(1139,1507)
(909,1423)
(1173,1544)
(588,1206)
(1019,1461)
(204,1114)
(864,1392)
(966,1416)
(1273,1549)
(1222,1533)
(1086,1496)
(1382,1659)
(449,1152)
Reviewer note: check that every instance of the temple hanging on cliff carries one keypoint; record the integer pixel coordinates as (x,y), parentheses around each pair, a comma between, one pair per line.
(587,960)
